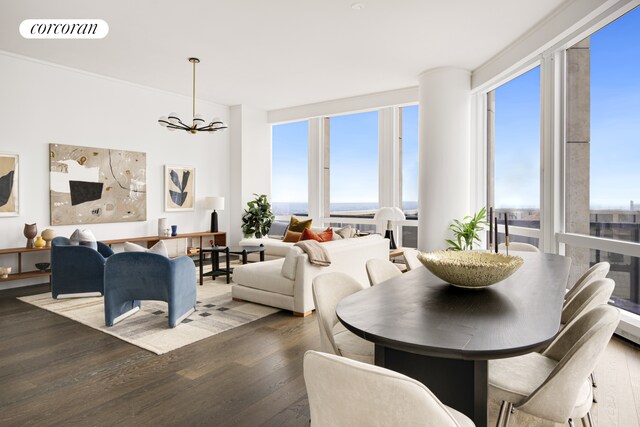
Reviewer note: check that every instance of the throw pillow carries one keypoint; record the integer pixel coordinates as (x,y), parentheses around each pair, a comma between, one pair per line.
(346,232)
(325,236)
(278,229)
(291,236)
(83,237)
(297,225)
(159,248)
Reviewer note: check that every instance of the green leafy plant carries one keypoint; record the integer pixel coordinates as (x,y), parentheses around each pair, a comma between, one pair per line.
(257,218)
(466,231)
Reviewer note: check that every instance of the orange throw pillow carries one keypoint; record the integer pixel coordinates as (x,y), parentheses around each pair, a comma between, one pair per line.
(325,236)
(291,236)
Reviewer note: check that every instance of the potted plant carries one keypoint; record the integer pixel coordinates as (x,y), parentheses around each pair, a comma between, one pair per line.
(257,218)
(466,231)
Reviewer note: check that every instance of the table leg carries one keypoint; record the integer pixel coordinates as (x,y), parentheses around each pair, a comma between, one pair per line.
(461,384)
(244,257)
(228,268)
(261,253)
(201,261)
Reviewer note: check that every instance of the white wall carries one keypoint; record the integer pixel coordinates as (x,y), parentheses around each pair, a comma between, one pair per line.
(250,162)
(42,103)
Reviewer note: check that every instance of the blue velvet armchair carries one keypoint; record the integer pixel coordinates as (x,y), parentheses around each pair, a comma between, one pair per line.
(130,277)
(77,269)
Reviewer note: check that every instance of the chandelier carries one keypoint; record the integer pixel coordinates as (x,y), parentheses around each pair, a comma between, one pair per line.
(173,122)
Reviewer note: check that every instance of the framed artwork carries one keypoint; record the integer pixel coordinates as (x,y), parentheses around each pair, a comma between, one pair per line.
(179,188)
(9,191)
(96,185)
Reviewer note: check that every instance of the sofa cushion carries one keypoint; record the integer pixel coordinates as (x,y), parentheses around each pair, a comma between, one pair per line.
(159,248)
(323,236)
(291,263)
(298,225)
(292,236)
(266,276)
(83,237)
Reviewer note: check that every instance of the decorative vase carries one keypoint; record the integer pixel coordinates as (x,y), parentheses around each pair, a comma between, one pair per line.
(4,272)
(39,243)
(48,236)
(174,230)
(30,231)
(162,226)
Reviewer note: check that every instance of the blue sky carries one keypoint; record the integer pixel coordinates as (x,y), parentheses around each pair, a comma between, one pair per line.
(517,142)
(615,113)
(615,137)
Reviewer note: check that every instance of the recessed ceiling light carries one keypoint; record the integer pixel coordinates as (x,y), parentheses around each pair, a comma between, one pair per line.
(357,6)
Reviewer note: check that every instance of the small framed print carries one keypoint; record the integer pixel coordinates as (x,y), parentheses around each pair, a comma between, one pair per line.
(9,182)
(179,188)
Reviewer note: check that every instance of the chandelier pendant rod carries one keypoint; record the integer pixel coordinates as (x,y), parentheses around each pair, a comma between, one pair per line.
(193,61)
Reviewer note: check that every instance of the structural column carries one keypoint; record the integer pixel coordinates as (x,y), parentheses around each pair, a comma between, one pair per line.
(444,153)
(577,163)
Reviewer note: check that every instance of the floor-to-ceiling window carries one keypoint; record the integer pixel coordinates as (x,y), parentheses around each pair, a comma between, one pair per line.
(353,140)
(603,151)
(514,152)
(289,186)
(409,176)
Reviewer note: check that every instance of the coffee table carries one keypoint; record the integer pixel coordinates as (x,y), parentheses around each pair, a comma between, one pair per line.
(215,252)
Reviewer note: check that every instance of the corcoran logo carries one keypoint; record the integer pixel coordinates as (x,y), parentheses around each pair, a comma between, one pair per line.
(64,29)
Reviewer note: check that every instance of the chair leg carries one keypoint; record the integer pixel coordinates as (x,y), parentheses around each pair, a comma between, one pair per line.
(503,407)
(593,380)
(571,423)
(589,419)
(506,409)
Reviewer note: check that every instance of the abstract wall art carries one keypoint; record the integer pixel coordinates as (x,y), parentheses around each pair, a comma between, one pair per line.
(9,185)
(179,188)
(96,185)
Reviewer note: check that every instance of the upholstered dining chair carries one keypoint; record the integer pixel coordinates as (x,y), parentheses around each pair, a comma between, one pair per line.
(593,294)
(380,270)
(554,386)
(328,289)
(77,270)
(518,247)
(411,259)
(345,392)
(597,271)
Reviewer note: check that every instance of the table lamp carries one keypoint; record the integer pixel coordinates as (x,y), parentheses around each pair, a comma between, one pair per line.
(389,214)
(214,203)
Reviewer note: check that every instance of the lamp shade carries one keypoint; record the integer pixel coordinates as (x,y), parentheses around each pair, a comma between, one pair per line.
(214,203)
(389,214)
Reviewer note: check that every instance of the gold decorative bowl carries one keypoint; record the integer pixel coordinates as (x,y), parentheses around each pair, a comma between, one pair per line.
(470,269)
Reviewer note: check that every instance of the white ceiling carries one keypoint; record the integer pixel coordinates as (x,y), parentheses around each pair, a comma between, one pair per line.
(277,53)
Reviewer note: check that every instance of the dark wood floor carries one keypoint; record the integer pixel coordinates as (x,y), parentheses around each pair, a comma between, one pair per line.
(54,371)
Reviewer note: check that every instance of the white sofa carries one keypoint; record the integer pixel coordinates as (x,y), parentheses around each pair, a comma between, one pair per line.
(274,248)
(286,282)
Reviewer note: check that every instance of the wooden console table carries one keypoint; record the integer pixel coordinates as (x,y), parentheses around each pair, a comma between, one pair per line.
(219,238)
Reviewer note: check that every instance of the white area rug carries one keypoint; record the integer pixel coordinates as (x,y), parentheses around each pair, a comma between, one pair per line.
(149,329)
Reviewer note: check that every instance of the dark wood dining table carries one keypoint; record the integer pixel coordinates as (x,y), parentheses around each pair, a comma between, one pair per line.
(443,336)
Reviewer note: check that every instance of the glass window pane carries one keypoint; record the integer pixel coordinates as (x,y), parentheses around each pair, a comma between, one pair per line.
(354,164)
(614,145)
(289,175)
(517,149)
(410,162)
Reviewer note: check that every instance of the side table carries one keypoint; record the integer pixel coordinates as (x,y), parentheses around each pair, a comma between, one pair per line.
(215,252)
